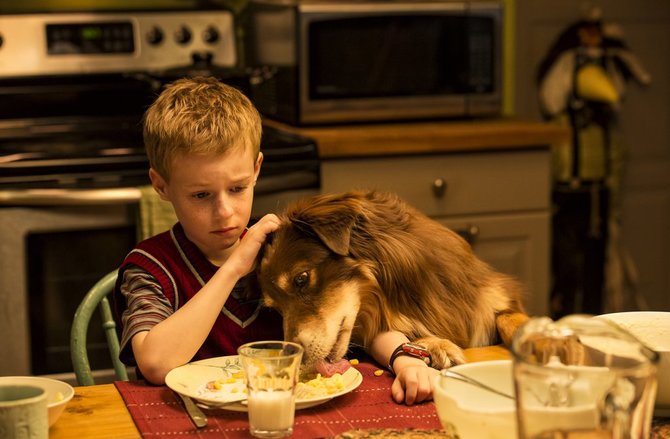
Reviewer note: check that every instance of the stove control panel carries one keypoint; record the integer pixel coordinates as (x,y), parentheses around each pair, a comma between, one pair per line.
(73,43)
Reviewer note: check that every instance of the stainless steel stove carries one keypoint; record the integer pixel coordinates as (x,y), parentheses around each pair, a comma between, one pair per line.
(74,87)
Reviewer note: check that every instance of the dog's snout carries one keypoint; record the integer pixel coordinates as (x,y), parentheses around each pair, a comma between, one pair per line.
(296,338)
(303,341)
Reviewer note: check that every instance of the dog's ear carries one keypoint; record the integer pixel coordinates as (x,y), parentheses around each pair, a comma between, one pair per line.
(266,244)
(332,223)
(336,235)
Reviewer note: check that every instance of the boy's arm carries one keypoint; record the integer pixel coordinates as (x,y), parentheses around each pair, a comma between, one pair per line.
(175,340)
(414,379)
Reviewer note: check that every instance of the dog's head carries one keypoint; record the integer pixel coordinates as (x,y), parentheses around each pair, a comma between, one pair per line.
(307,274)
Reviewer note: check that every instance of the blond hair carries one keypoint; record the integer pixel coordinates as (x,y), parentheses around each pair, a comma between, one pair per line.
(198,115)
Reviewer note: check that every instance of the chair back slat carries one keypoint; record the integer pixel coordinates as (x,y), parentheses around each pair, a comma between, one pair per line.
(95,298)
(109,327)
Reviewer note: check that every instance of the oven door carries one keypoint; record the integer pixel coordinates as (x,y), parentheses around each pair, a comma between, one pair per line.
(51,256)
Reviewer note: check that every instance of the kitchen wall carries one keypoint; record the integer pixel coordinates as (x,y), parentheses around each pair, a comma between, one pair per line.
(644,123)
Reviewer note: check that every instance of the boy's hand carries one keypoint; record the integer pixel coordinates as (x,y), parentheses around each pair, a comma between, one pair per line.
(413,382)
(244,256)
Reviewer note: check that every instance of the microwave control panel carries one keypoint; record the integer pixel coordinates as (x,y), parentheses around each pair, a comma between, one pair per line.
(72,43)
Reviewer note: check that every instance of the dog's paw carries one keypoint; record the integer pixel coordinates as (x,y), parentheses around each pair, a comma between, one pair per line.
(508,323)
(443,352)
(568,350)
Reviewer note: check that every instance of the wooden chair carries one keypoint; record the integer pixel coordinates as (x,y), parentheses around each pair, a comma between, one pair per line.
(95,298)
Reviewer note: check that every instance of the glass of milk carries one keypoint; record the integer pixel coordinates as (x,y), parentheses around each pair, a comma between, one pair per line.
(271,369)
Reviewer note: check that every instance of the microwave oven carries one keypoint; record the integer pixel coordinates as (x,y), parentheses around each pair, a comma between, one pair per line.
(321,62)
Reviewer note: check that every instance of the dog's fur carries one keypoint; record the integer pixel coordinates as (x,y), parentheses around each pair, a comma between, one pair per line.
(345,267)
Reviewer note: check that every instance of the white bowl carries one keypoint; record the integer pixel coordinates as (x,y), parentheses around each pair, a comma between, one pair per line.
(653,329)
(58,392)
(474,413)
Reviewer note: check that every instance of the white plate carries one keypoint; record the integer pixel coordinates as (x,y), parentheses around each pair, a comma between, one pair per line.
(192,378)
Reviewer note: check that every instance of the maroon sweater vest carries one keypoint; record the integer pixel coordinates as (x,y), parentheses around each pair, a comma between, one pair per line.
(181,270)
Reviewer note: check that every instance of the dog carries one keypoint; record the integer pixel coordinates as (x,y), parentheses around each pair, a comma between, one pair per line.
(345,267)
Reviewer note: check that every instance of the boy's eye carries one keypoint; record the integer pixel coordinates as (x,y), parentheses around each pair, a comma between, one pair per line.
(238,189)
(200,195)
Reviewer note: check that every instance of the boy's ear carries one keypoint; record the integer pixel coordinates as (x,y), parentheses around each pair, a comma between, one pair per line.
(257,166)
(159,184)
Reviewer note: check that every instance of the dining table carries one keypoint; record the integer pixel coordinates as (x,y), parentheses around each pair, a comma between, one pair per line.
(135,409)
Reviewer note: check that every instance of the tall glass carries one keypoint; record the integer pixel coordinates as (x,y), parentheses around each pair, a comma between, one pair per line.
(272,370)
(581,377)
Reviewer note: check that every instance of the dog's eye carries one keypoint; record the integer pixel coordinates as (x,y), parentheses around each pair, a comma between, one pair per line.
(301,279)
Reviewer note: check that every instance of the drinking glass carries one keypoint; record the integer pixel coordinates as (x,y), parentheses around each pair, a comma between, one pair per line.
(23,412)
(581,377)
(272,370)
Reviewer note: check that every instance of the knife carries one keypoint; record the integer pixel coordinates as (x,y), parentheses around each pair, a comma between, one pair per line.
(196,415)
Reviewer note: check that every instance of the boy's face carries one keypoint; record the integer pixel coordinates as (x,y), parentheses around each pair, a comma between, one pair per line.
(212,196)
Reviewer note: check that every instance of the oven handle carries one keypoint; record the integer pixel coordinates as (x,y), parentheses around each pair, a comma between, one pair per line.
(68,197)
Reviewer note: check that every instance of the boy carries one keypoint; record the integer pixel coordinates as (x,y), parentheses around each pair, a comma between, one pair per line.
(182,295)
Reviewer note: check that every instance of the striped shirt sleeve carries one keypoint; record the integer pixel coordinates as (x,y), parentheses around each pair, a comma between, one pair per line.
(146,306)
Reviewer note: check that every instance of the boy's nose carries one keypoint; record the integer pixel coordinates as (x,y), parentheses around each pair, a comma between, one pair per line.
(223,207)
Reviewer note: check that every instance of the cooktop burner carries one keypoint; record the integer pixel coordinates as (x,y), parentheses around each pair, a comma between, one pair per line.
(117,159)
(71,153)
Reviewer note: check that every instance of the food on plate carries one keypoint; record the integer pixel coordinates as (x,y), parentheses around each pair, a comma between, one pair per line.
(221,382)
(320,386)
(378,372)
(309,386)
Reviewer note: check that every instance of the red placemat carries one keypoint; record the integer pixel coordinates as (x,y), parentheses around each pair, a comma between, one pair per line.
(158,411)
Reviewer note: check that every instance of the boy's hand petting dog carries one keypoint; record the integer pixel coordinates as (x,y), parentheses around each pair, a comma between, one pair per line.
(414,381)
(245,255)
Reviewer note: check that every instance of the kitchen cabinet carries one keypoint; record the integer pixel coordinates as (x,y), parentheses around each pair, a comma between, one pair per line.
(516,244)
(489,180)
(498,200)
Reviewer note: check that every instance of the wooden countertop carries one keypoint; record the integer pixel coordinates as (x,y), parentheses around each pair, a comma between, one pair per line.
(383,139)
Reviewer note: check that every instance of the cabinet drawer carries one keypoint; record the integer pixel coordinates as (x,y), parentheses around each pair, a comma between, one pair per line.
(482,182)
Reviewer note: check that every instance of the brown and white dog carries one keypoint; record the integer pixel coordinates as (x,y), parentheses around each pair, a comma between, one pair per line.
(345,267)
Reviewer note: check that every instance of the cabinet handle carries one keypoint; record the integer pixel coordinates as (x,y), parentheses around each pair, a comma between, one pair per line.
(439,187)
(469,233)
